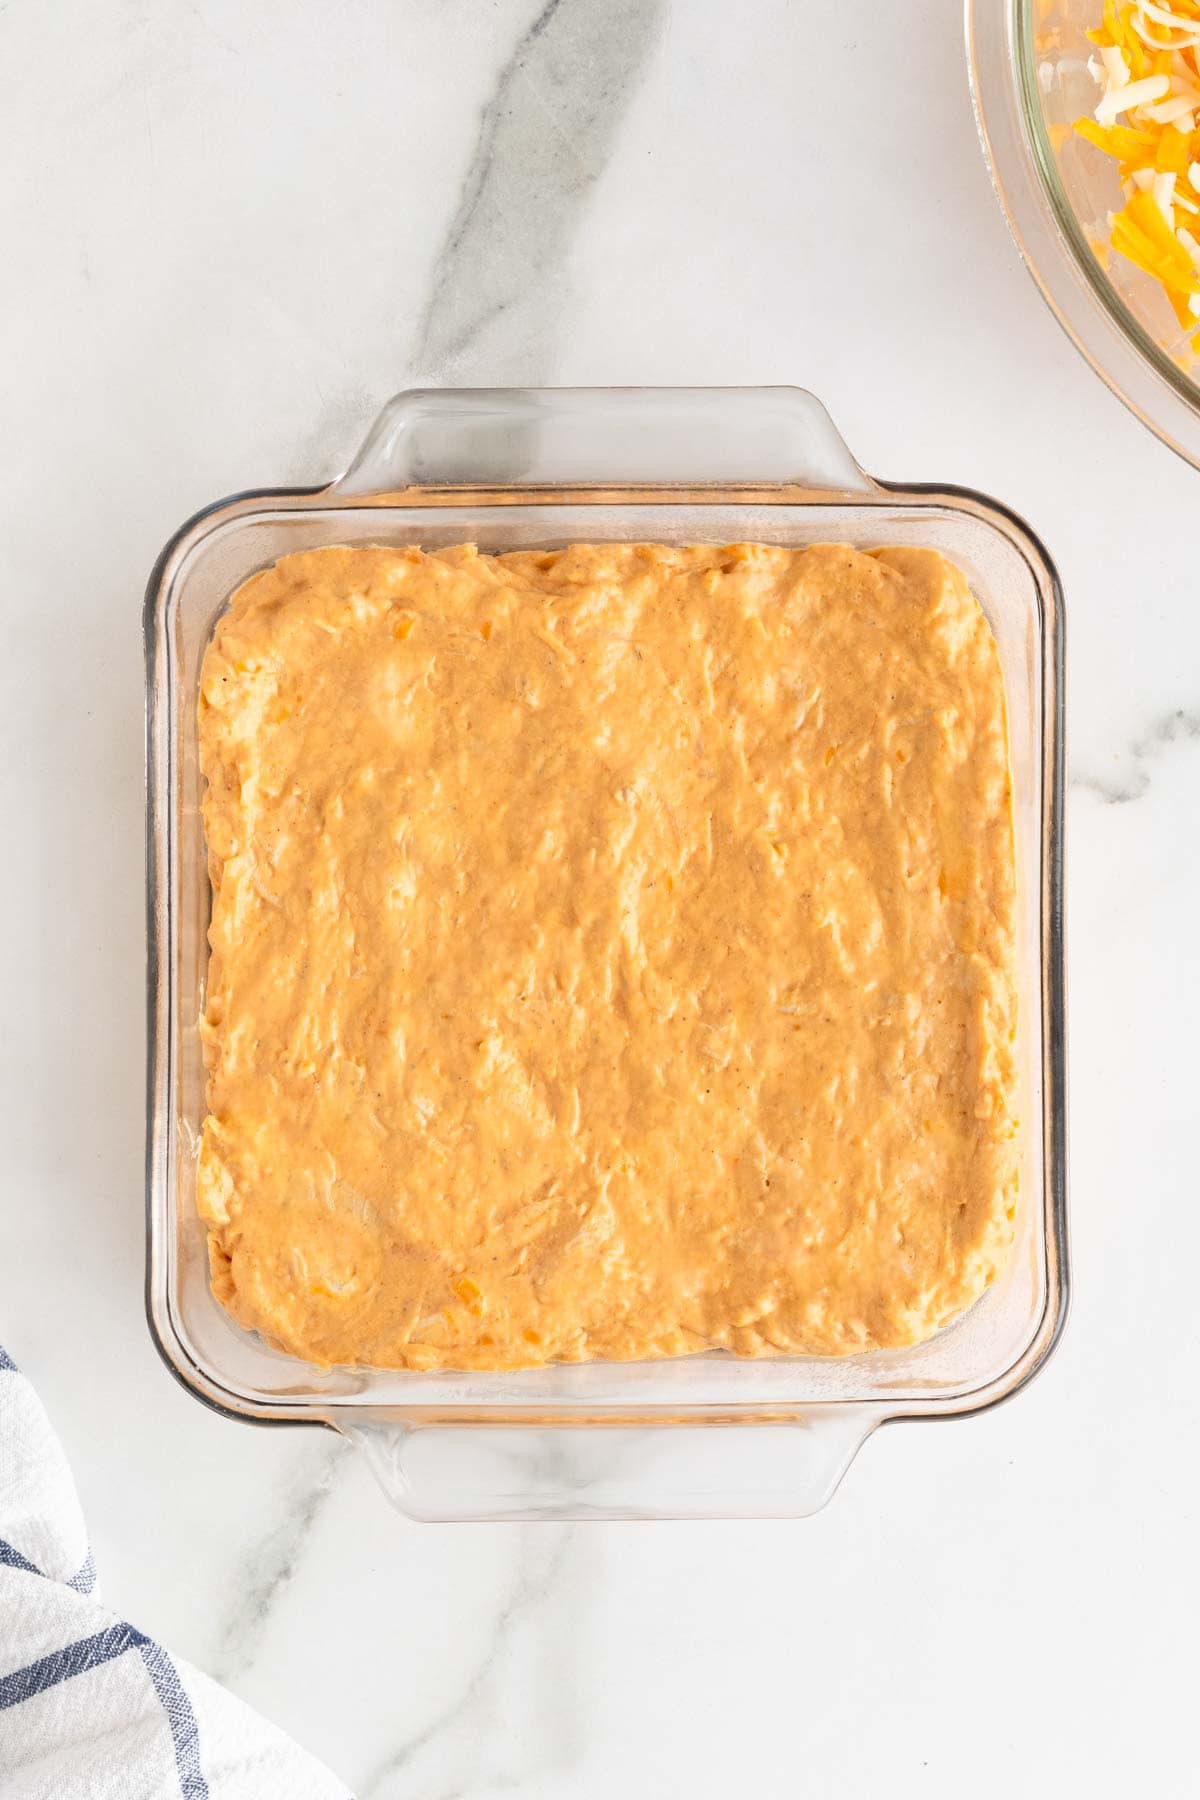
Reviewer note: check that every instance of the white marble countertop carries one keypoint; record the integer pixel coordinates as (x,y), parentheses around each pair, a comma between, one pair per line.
(229,232)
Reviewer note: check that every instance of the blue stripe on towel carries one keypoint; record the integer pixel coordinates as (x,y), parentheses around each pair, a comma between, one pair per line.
(185,1733)
(104,1646)
(61,1665)
(11,1558)
(84,1578)
(82,1581)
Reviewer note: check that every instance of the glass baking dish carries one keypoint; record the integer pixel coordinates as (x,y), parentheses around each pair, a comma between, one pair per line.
(703,1436)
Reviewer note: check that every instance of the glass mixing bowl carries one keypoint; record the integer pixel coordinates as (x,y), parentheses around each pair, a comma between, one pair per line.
(1030,82)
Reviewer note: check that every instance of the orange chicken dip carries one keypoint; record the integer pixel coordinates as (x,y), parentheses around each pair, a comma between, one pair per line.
(612,953)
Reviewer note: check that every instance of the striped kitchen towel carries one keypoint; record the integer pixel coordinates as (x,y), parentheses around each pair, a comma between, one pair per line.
(90,1708)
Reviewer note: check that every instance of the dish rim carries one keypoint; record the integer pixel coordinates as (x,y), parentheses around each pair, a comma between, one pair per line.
(315,1408)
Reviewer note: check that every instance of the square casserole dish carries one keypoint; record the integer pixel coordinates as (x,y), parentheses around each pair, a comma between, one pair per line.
(702,1436)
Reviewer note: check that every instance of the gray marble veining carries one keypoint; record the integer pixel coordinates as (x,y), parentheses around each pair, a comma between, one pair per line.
(1165,734)
(478,1740)
(544,138)
(272,1562)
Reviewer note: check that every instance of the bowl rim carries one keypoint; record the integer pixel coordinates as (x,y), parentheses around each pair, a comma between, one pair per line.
(1002,74)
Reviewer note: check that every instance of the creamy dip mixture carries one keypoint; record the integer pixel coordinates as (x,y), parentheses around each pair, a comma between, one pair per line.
(612,953)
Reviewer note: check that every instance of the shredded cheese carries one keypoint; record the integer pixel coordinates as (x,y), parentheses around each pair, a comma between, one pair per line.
(1148,72)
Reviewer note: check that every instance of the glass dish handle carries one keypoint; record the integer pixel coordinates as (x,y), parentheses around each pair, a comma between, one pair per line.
(446,1473)
(551,437)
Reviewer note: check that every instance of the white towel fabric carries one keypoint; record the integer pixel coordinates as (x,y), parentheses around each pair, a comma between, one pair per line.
(91,1709)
